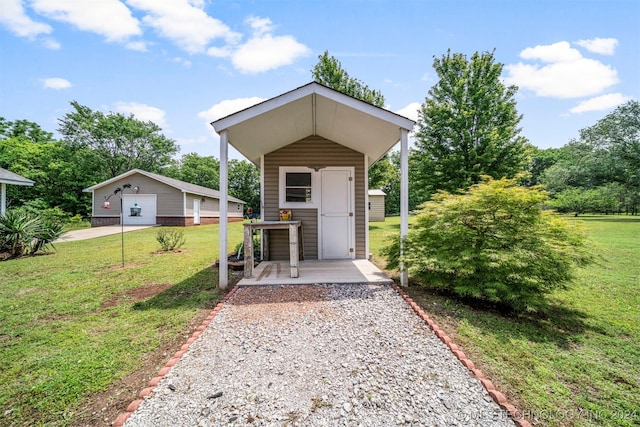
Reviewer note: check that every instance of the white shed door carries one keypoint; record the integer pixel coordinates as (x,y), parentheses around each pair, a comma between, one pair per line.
(147,203)
(336,214)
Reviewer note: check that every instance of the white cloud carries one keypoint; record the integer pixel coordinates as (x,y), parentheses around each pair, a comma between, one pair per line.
(259,25)
(557,52)
(267,52)
(13,16)
(185,23)
(227,107)
(143,112)
(220,52)
(139,46)
(109,18)
(567,74)
(599,45)
(410,111)
(50,43)
(263,51)
(600,103)
(56,83)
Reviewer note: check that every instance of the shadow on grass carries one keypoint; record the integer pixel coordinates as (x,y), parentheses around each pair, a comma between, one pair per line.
(198,291)
(562,326)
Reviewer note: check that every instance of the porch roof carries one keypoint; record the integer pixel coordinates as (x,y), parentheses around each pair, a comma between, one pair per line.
(310,110)
(7,177)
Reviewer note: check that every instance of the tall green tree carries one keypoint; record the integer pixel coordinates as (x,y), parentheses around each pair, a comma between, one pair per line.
(615,141)
(59,171)
(119,142)
(196,169)
(329,72)
(244,183)
(467,127)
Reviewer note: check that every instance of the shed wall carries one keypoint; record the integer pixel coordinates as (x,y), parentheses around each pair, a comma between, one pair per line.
(376,213)
(313,150)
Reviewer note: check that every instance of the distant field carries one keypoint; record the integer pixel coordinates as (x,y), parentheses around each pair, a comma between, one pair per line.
(577,366)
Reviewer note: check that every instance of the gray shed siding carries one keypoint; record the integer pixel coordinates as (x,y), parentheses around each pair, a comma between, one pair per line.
(169,199)
(311,150)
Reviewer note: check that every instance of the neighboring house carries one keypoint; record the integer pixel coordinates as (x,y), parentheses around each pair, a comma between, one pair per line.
(314,146)
(10,178)
(162,200)
(376,205)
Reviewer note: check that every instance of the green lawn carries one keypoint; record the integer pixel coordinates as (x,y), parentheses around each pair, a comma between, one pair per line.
(580,364)
(71,324)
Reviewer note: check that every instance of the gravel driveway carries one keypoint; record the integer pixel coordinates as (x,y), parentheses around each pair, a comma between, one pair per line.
(325,355)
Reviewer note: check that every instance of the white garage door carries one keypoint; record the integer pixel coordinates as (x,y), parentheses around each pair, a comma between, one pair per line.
(147,205)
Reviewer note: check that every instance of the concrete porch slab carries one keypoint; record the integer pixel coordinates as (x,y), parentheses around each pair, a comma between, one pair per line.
(312,272)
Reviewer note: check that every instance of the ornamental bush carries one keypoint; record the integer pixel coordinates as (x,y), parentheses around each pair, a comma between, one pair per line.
(493,243)
(23,233)
(170,240)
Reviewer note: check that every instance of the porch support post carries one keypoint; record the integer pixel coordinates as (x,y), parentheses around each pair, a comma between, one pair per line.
(3,198)
(224,223)
(404,200)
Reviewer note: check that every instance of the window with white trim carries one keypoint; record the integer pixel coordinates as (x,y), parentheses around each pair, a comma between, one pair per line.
(298,187)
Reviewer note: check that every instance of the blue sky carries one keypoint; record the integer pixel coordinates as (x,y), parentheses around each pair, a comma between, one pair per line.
(184,63)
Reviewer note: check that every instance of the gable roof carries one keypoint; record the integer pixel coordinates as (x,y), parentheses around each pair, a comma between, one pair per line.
(185,187)
(7,177)
(310,110)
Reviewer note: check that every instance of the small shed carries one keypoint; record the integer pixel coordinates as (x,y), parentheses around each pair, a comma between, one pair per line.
(314,146)
(10,178)
(376,205)
(149,199)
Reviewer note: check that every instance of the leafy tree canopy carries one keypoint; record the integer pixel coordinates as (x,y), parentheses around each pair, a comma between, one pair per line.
(120,142)
(468,127)
(329,72)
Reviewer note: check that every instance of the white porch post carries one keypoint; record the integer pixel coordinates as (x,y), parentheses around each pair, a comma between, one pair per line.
(3,198)
(404,199)
(224,223)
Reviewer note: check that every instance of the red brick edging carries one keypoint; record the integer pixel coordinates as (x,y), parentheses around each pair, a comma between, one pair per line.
(124,416)
(498,397)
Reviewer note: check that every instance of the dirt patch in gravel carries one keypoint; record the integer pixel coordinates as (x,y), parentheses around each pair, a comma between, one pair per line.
(275,303)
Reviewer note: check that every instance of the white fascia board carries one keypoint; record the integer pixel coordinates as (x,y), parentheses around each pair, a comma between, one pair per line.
(114,179)
(365,107)
(12,182)
(258,109)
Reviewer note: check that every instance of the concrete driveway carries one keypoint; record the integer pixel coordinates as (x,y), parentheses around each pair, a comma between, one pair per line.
(90,233)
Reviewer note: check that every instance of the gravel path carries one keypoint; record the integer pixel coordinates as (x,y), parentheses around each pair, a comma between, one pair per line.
(325,355)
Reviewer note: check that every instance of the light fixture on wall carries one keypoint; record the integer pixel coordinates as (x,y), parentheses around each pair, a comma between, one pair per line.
(316,167)
(203,200)
(136,189)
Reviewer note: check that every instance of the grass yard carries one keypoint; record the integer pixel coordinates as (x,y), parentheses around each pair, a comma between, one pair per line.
(74,322)
(580,364)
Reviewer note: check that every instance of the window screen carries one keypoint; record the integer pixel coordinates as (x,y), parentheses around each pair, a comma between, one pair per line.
(298,187)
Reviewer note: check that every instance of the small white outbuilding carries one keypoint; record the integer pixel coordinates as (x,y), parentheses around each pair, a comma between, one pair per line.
(376,205)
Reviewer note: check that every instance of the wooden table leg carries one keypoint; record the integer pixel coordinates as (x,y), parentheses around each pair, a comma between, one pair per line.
(293,249)
(248,252)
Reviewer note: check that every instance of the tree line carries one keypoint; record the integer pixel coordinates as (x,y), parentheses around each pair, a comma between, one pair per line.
(468,128)
(97,146)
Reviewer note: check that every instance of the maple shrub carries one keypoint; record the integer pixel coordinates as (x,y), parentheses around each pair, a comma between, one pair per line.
(494,243)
